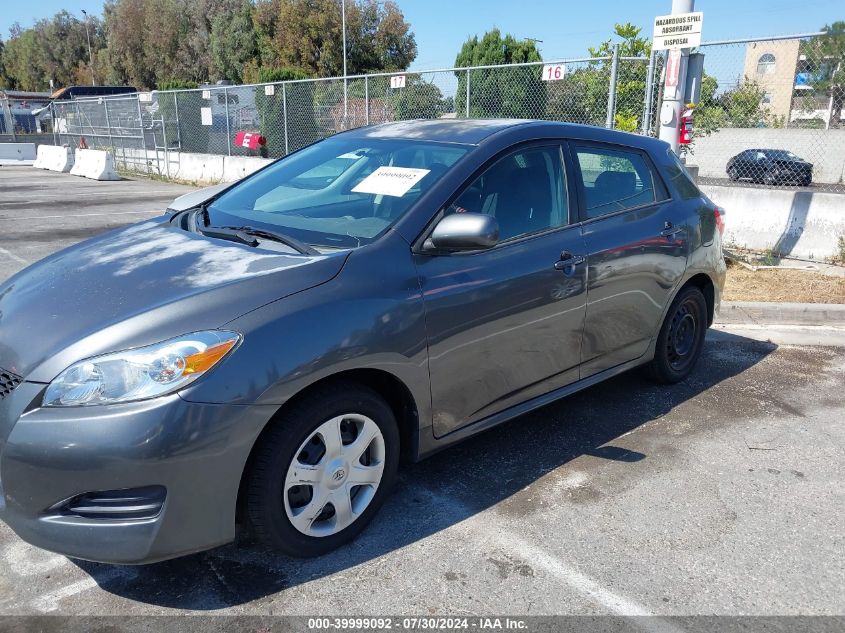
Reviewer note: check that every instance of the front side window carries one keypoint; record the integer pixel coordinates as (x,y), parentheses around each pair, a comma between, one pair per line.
(614,180)
(340,192)
(525,192)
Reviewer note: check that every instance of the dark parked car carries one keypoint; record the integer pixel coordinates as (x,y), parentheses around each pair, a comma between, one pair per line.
(268,355)
(770,166)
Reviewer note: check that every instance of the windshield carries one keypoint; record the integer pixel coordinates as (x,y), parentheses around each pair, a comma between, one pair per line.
(340,192)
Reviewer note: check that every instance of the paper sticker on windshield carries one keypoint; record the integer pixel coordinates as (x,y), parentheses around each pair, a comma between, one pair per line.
(390,181)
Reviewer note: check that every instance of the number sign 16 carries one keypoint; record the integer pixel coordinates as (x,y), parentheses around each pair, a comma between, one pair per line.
(554,72)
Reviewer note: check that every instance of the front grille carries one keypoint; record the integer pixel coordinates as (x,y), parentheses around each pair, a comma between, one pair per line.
(8,382)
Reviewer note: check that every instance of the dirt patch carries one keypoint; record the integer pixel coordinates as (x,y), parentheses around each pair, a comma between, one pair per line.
(794,286)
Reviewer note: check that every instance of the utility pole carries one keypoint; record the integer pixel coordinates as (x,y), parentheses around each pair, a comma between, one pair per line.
(90,58)
(345,87)
(673,104)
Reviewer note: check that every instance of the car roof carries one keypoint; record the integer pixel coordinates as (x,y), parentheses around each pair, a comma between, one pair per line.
(466,131)
(476,131)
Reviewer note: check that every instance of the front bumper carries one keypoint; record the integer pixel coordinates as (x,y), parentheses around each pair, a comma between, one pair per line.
(196,452)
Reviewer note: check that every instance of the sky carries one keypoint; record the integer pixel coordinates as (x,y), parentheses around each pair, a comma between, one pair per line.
(566,27)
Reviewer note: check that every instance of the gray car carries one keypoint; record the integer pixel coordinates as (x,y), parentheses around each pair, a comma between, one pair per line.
(268,356)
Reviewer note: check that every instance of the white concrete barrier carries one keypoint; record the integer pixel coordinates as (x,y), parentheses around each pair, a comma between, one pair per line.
(54,158)
(200,167)
(237,167)
(17,153)
(94,164)
(803,224)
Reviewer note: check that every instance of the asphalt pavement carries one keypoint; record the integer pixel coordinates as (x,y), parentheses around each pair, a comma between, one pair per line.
(721,495)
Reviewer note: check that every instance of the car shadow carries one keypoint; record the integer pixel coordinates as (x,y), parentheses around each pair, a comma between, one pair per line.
(439,492)
(795,223)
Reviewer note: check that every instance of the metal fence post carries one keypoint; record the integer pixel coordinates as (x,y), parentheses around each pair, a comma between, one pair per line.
(80,126)
(228,134)
(108,123)
(649,93)
(143,136)
(53,117)
(7,115)
(611,92)
(366,100)
(285,114)
(467,92)
(176,112)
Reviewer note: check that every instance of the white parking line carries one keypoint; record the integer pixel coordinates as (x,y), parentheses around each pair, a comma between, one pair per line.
(25,560)
(11,255)
(589,588)
(48,602)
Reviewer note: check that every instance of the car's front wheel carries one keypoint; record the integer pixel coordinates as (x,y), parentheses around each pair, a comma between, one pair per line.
(322,471)
(681,337)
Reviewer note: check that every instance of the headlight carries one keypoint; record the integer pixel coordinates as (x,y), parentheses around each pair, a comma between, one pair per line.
(141,373)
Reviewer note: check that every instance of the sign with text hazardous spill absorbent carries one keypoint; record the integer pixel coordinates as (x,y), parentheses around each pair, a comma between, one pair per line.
(678,31)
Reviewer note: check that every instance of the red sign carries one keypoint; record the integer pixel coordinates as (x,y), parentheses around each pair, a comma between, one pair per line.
(250,140)
(673,68)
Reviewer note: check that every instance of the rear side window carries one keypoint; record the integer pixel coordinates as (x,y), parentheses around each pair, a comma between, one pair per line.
(680,177)
(615,180)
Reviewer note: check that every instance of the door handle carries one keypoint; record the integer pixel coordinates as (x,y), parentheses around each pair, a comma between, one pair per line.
(568,261)
(670,229)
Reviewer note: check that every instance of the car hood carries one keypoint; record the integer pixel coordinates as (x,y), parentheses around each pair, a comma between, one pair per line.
(136,286)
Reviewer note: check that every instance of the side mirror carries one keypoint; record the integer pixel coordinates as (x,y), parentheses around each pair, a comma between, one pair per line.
(464,232)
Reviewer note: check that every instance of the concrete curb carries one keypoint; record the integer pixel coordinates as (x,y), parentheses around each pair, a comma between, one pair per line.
(762,313)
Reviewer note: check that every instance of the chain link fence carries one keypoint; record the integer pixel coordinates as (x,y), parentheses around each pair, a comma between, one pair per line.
(771,113)
(768,109)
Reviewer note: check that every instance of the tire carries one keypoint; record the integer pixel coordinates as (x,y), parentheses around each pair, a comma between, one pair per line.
(733,174)
(681,337)
(769,179)
(299,518)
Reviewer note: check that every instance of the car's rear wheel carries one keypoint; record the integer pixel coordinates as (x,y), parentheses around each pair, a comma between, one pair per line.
(681,337)
(733,174)
(322,471)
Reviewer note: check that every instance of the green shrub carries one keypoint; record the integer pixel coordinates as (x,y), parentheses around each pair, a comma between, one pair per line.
(302,127)
(190,135)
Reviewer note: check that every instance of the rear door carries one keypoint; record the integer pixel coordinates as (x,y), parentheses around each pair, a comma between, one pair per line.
(504,324)
(637,240)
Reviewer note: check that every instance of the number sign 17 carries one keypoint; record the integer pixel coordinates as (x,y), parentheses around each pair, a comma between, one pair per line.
(554,72)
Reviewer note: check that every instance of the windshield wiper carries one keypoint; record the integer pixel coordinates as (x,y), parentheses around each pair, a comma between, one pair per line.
(247,235)
(227,233)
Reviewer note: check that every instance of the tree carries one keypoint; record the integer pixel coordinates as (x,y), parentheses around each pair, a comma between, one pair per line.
(419,99)
(307,34)
(827,54)
(511,92)
(4,81)
(582,96)
(233,42)
(63,46)
(23,62)
(710,115)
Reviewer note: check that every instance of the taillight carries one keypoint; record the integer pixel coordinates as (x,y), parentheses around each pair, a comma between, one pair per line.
(719,212)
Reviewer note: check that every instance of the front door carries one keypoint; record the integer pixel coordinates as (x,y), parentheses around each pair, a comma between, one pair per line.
(637,240)
(505,324)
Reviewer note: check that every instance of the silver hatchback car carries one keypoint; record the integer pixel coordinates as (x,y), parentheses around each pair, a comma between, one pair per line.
(268,354)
